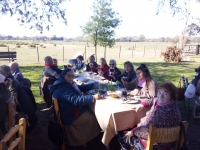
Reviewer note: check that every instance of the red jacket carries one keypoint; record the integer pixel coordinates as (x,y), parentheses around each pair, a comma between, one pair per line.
(105,70)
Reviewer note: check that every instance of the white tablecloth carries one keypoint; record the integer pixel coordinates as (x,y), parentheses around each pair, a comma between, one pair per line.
(113,116)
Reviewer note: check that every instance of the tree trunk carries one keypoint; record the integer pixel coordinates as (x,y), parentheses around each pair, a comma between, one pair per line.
(95,44)
(105,52)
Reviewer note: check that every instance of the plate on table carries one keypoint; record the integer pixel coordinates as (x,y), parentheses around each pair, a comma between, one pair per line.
(129,100)
(113,83)
(84,79)
(76,75)
(93,92)
(102,78)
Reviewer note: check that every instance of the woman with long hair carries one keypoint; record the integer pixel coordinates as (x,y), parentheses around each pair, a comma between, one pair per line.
(143,85)
(128,74)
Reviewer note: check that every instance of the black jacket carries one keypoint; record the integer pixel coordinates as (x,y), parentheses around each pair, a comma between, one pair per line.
(52,71)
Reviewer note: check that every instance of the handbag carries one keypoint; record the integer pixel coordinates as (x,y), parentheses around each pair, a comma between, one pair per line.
(180,92)
(55,132)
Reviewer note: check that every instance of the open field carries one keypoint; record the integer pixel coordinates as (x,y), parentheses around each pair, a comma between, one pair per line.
(27,55)
(160,70)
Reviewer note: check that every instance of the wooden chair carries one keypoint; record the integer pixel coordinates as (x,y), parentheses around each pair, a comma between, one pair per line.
(11,114)
(57,113)
(20,140)
(164,135)
(46,95)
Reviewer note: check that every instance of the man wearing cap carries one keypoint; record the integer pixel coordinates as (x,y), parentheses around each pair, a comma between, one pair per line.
(15,71)
(6,71)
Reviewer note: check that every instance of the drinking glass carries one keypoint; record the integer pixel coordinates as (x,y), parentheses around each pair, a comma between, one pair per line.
(125,78)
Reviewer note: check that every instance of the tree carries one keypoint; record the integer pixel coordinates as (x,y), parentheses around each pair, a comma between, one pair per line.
(100,27)
(34,15)
(181,6)
(142,38)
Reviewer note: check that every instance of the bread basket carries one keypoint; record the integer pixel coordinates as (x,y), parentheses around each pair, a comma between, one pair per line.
(114,94)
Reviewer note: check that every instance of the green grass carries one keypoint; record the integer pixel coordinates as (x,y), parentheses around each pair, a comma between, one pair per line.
(161,71)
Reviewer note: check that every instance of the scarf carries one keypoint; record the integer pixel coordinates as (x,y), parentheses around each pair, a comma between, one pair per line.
(48,64)
(142,83)
(162,105)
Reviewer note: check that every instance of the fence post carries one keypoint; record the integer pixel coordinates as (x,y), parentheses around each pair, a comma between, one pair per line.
(63,53)
(85,53)
(8,51)
(38,54)
(119,51)
(144,50)
(197,49)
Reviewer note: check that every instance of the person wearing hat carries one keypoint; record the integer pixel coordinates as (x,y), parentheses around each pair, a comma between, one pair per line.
(6,71)
(5,96)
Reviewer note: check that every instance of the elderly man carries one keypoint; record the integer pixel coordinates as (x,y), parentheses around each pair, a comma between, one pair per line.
(6,71)
(50,69)
(15,71)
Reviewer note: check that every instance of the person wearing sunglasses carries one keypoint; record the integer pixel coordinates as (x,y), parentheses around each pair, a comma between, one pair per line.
(92,65)
(80,123)
(113,70)
(128,74)
(103,68)
(143,85)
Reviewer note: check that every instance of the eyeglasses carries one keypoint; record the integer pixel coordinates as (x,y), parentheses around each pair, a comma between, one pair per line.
(111,64)
(72,76)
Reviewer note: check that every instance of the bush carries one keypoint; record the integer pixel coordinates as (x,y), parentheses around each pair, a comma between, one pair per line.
(32,45)
(41,45)
(18,46)
(25,43)
(44,46)
(54,44)
(2,45)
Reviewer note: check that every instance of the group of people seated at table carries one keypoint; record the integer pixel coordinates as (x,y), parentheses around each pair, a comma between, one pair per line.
(13,82)
(81,124)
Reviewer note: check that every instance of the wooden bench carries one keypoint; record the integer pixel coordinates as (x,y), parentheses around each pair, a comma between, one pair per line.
(8,56)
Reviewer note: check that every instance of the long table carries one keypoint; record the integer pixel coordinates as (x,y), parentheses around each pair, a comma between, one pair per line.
(113,116)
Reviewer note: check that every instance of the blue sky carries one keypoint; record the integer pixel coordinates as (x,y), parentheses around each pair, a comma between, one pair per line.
(138,17)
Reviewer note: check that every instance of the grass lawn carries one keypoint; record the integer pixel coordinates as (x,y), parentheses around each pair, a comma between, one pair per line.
(161,71)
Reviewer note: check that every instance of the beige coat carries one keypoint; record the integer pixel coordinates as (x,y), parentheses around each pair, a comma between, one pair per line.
(151,89)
